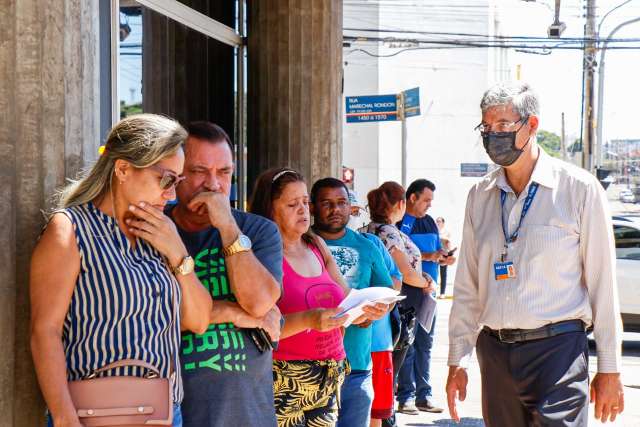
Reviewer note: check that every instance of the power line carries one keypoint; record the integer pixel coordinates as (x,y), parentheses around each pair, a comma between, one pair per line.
(496,37)
(419,44)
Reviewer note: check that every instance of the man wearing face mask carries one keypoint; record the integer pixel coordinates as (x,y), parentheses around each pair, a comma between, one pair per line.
(536,269)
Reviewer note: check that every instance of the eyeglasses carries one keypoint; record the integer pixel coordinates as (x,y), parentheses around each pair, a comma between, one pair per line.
(169,180)
(501,126)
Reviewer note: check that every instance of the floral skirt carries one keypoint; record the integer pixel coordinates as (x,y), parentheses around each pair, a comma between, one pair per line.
(307,392)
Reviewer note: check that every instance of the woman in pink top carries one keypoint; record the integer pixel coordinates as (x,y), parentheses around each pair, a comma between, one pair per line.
(309,366)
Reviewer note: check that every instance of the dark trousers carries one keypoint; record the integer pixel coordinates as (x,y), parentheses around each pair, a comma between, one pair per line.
(414,376)
(443,279)
(535,383)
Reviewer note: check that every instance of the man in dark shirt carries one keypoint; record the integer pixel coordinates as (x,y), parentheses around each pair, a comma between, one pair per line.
(238,258)
(414,390)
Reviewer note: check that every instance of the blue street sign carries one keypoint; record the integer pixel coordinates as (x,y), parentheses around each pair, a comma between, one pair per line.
(376,108)
(412,102)
(474,169)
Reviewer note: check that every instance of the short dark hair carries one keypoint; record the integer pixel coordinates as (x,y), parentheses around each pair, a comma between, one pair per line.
(329,182)
(418,186)
(208,131)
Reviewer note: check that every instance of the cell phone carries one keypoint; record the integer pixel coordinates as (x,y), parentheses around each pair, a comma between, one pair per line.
(260,339)
(452,251)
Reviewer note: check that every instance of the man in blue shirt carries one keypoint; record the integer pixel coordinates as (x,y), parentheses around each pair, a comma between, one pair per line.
(414,391)
(361,264)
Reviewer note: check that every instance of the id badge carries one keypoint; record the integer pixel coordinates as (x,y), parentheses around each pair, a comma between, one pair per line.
(504,270)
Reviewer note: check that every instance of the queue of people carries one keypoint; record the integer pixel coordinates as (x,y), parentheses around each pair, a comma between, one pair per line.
(144,271)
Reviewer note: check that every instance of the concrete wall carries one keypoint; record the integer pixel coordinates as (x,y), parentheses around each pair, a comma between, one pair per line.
(294,86)
(49,113)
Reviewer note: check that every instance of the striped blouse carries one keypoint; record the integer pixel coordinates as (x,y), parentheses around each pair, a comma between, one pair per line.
(122,304)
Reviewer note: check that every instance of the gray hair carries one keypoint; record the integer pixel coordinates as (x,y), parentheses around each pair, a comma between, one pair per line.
(517,94)
(141,139)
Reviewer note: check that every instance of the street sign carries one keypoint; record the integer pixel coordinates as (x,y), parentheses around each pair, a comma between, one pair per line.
(474,169)
(412,102)
(375,108)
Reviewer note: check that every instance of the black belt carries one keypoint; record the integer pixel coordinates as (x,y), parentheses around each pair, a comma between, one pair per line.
(511,336)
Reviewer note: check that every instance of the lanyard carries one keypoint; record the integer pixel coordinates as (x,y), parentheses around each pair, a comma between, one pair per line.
(531,194)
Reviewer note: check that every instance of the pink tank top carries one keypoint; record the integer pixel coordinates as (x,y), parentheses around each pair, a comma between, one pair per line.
(304,293)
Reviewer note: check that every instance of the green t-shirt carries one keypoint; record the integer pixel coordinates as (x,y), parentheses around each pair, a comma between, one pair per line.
(227,381)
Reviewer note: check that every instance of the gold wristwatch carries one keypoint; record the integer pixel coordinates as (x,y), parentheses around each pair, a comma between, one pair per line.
(186,267)
(242,244)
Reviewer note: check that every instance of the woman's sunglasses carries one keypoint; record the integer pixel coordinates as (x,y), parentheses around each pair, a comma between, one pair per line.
(169,180)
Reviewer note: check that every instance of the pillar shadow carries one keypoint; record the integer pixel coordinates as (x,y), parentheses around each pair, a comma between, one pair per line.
(464,422)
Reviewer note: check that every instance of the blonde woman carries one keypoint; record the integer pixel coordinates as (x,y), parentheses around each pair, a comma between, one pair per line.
(110,268)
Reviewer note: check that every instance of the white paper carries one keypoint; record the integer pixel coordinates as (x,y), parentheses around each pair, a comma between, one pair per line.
(427,312)
(352,306)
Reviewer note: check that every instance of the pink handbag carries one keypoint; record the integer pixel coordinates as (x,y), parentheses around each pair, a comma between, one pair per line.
(124,401)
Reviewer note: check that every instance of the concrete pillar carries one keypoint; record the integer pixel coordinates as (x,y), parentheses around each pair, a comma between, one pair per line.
(294,86)
(49,99)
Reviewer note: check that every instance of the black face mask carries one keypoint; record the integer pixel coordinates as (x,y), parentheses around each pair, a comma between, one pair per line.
(501,146)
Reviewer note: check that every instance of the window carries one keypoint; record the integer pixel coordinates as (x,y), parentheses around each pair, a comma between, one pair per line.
(627,242)
(184,59)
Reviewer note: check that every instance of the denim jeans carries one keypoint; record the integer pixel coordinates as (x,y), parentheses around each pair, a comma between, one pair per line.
(413,378)
(356,398)
(177,417)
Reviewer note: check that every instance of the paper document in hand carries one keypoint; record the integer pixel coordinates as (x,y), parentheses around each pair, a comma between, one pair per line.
(427,312)
(352,306)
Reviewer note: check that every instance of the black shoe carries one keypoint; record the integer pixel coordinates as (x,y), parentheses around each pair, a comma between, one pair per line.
(390,422)
(427,406)
(408,408)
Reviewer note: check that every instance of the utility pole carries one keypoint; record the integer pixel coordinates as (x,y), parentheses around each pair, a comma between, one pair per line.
(588,65)
(563,141)
(599,111)
(403,118)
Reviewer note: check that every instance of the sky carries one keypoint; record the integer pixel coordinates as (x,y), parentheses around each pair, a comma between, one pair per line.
(558,77)
(130,88)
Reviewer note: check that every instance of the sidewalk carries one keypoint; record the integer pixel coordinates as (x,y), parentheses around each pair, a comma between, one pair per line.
(471,411)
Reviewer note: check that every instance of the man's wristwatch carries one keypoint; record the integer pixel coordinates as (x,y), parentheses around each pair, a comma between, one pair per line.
(242,244)
(186,267)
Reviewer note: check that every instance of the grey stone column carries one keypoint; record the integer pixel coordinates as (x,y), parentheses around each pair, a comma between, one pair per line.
(49,113)
(294,101)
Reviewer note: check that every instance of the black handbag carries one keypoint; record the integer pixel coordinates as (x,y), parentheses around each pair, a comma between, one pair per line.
(403,326)
(403,319)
